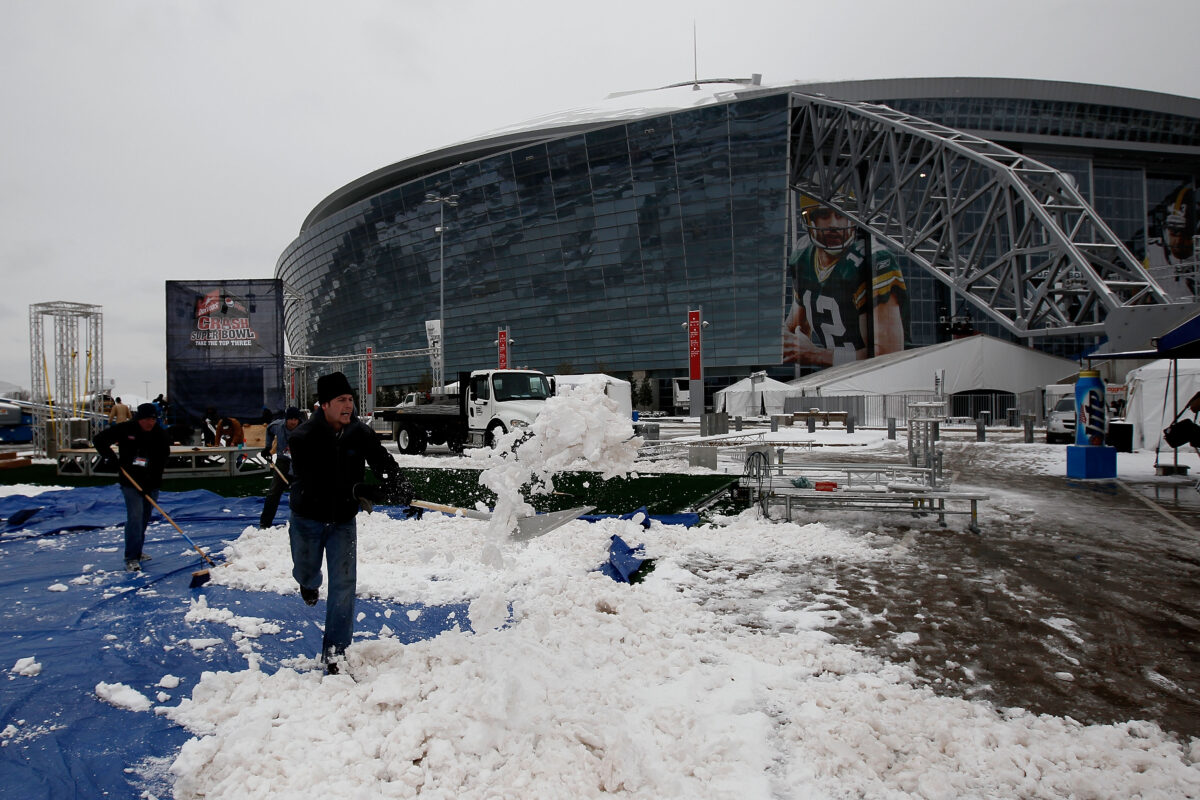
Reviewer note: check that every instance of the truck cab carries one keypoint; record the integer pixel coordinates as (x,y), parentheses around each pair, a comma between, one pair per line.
(497,401)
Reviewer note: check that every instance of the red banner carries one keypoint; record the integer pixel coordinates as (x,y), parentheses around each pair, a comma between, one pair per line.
(694,371)
(502,347)
(370,374)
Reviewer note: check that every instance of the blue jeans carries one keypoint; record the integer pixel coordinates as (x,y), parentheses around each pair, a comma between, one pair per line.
(137,517)
(339,540)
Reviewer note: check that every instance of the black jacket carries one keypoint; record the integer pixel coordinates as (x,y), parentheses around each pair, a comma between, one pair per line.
(326,466)
(143,454)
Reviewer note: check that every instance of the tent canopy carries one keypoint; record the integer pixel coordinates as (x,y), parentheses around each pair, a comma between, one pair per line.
(1182,341)
(748,398)
(974,363)
(1155,398)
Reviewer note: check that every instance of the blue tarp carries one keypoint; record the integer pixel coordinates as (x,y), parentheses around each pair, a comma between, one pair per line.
(687,520)
(623,560)
(119,627)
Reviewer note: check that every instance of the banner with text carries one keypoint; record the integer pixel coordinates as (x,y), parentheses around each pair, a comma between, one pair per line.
(224,349)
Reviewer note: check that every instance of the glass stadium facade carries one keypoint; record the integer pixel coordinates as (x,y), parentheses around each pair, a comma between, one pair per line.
(589,239)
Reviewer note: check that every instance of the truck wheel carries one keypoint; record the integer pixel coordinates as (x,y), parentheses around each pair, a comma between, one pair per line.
(494,432)
(404,438)
(417,442)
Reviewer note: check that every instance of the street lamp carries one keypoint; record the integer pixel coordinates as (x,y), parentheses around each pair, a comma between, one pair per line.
(442,201)
(755,379)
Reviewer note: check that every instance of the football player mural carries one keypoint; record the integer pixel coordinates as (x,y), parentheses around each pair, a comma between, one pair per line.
(1171,258)
(833,291)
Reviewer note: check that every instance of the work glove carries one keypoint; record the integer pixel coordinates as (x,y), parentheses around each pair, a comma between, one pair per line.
(397,491)
(367,496)
(265,453)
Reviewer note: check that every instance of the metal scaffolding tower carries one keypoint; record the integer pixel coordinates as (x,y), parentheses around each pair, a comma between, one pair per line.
(66,391)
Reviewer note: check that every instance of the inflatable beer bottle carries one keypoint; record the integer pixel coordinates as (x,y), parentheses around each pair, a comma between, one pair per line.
(1091,421)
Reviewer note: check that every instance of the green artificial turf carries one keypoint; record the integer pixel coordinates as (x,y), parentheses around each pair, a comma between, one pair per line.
(664,493)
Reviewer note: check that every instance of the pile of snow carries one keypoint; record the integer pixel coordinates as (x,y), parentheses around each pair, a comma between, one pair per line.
(579,428)
(122,696)
(28,666)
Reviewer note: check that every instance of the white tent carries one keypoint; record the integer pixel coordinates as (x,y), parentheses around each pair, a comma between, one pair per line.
(747,398)
(973,363)
(1151,398)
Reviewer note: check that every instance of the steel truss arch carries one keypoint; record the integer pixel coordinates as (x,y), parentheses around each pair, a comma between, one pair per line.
(1011,235)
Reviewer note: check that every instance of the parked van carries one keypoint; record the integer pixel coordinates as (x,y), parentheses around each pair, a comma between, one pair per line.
(1060,421)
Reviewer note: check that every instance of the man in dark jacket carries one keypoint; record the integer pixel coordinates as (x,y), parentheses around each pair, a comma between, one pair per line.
(143,448)
(278,433)
(328,456)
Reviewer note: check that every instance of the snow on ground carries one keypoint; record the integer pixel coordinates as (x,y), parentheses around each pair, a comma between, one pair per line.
(29,490)
(715,677)
(710,679)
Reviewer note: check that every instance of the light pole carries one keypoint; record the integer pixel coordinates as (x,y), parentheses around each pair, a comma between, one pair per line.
(442,201)
(755,379)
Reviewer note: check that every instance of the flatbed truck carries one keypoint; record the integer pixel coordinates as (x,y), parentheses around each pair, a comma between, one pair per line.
(488,404)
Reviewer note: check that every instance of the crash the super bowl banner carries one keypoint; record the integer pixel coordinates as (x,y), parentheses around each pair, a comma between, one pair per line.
(225,345)
(222,320)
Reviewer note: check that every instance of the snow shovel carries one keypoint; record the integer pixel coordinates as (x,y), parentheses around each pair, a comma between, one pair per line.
(200,577)
(529,526)
(282,477)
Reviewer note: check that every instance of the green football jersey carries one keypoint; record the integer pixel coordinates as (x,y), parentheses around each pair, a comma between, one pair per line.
(833,305)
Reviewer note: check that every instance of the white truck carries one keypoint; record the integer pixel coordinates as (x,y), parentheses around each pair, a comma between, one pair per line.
(494,402)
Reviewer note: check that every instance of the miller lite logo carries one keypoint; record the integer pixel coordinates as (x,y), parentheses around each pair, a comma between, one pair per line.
(1091,416)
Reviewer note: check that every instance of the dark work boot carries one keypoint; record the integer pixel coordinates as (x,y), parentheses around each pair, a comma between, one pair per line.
(310,596)
(333,658)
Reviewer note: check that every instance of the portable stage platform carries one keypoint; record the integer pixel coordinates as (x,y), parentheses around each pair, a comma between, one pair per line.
(184,462)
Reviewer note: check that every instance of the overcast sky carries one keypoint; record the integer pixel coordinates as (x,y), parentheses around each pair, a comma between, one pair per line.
(151,140)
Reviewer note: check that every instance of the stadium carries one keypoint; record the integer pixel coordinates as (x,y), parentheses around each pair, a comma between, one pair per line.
(589,235)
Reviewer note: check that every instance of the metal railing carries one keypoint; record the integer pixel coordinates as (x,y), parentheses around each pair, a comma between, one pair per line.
(876,410)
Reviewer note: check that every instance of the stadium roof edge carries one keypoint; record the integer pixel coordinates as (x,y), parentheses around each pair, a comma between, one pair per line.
(623,106)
